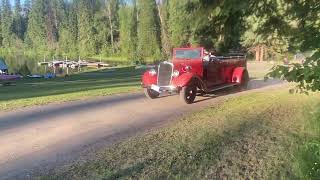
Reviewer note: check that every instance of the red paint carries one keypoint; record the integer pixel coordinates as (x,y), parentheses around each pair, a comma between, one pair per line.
(195,64)
(148,80)
(182,80)
(217,72)
(237,74)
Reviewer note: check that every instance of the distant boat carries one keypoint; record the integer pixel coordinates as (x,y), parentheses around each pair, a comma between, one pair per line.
(4,76)
(3,67)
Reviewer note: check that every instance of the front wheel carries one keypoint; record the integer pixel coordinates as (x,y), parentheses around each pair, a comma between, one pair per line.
(151,94)
(188,94)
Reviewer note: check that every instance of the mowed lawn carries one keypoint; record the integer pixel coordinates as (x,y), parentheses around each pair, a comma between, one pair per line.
(29,92)
(263,135)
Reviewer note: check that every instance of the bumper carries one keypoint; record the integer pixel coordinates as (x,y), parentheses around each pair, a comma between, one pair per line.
(161,89)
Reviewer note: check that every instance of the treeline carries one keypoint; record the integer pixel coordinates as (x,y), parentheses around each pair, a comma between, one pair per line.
(146,29)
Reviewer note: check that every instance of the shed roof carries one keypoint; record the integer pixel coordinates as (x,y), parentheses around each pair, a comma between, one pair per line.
(3,65)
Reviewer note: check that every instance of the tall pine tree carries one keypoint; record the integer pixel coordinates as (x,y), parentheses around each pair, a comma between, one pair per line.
(128,30)
(179,22)
(87,41)
(36,33)
(19,27)
(149,33)
(68,33)
(6,23)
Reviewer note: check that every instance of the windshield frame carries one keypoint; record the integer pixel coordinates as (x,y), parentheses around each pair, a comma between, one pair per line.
(200,50)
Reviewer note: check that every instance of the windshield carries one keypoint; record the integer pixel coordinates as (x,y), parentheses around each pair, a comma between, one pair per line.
(188,54)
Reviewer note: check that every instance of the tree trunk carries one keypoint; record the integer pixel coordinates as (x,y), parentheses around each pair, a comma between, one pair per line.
(257,53)
(262,53)
(110,24)
(165,41)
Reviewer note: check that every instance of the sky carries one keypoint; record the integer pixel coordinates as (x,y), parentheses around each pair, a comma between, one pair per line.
(12,1)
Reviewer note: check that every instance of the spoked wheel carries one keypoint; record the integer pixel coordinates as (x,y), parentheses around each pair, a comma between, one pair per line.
(188,93)
(151,94)
(244,82)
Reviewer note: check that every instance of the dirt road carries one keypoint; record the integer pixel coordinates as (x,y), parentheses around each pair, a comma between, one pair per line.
(40,138)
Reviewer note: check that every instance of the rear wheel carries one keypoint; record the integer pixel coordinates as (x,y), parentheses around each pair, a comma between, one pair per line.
(244,81)
(151,94)
(188,93)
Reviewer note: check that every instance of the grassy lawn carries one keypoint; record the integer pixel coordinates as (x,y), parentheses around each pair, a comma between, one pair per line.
(258,70)
(29,92)
(263,135)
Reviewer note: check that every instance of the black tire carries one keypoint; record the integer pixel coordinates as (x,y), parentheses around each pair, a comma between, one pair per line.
(188,93)
(244,82)
(151,94)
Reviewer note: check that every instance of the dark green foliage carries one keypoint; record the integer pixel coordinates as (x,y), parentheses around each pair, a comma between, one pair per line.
(128,34)
(6,23)
(68,33)
(179,23)
(18,21)
(149,43)
(36,33)
(305,15)
(86,31)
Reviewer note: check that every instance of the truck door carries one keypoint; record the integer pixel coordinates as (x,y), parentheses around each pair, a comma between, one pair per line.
(215,72)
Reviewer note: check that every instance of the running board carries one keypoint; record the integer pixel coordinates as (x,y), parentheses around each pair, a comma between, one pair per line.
(221,87)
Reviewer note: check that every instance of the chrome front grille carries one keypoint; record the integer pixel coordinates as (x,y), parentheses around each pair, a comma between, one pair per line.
(165,71)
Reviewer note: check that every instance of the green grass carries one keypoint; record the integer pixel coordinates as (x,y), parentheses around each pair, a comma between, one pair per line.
(308,153)
(255,136)
(30,92)
(259,69)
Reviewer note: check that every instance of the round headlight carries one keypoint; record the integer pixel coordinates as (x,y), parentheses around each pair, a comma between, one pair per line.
(176,73)
(152,72)
(188,68)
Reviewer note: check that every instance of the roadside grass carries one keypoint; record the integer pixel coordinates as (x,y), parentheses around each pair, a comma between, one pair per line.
(29,92)
(257,136)
(258,70)
(308,154)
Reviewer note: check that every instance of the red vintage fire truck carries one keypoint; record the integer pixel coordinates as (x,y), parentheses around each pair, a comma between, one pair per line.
(193,72)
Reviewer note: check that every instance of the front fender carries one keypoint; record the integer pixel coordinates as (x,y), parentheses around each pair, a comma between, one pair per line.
(148,80)
(237,74)
(183,80)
